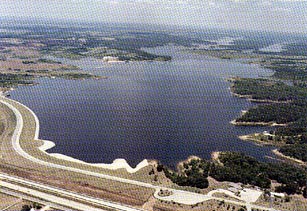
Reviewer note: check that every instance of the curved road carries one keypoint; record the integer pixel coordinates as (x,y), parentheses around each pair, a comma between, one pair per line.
(179,196)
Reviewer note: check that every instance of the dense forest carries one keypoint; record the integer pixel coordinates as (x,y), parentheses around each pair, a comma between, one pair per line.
(280,113)
(265,89)
(237,167)
(294,129)
(293,136)
(298,151)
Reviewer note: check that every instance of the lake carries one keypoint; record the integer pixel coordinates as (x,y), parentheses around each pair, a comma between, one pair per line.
(156,110)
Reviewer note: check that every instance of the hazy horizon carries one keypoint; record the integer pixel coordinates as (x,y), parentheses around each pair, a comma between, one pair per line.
(260,15)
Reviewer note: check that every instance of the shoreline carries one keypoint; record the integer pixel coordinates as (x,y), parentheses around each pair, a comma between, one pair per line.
(254,140)
(46,144)
(118,163)
(291,159)
(180,164)
(272,124)
(250,97)
(122,163)
(274,151)
(250,137)
(178,196)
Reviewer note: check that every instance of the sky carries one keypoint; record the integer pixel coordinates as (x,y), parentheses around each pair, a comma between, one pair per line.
(266,15)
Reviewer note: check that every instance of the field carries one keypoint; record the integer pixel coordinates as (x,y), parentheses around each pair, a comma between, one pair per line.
(35,53)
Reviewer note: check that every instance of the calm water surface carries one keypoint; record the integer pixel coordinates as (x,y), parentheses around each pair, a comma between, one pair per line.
(157,110)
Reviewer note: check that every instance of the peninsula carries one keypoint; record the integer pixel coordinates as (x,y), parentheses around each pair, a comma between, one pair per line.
(225,181)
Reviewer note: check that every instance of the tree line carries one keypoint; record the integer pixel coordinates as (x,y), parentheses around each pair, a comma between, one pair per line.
(239,168)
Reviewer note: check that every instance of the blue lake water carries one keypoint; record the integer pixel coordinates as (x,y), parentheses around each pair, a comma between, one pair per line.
(156,110)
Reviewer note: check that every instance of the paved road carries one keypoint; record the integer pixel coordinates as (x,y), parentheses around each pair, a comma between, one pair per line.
(34,199)
(179,196)
(59,196)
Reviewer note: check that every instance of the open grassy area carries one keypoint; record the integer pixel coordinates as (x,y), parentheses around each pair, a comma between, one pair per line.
(21,64)
(7,200)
